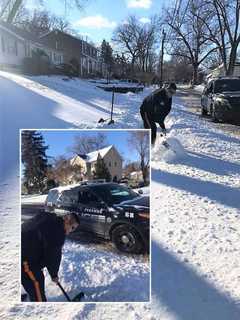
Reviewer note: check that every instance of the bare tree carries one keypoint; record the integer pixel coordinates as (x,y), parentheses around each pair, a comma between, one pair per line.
(127,36)
(224,29)
(9,8)
(85,144)
(188,29)
(139,141)
(137,41)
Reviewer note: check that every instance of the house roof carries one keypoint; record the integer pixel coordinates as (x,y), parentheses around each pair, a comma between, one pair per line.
(92,156)
(23,34)
(19,32)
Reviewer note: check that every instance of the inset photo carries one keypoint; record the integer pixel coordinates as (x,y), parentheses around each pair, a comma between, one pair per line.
(85,215)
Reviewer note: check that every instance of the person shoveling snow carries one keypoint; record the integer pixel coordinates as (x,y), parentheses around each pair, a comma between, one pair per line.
(43,237)
(155,108)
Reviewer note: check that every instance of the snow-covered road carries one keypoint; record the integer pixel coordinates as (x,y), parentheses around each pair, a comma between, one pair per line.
(195,214)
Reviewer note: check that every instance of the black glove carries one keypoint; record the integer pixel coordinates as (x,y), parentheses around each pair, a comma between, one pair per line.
(164,132)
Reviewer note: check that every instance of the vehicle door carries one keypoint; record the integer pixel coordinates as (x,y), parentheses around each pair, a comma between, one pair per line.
(92,211)
(67,202)
(209,96)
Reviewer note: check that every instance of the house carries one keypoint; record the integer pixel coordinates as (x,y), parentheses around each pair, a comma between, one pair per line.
(17,44)
(220,71)
(88,161)
(76,49)
(136,175)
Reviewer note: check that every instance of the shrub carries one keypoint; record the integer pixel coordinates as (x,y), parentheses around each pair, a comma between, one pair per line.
(37,64)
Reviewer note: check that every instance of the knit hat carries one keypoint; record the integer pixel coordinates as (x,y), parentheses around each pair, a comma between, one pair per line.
(172,86)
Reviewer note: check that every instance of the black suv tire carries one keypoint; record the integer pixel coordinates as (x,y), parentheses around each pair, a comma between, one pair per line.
(203,112)
(214,115)
(127,239)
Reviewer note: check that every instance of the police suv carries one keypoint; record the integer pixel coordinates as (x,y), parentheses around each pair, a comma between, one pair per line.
(109,210)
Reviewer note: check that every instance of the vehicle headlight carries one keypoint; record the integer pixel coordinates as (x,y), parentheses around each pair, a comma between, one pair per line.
(144,215)
(223,101)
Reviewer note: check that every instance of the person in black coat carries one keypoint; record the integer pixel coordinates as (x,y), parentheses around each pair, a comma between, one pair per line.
(156,107)
(42,240)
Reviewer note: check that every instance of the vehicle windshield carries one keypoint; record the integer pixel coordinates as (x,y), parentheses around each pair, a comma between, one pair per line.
(227,85)
(114,194)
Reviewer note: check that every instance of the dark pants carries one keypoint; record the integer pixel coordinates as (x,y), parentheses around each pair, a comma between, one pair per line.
(33,282)
(149,124)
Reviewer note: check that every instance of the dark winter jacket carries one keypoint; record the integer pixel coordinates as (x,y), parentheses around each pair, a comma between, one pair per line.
(157,106)
(42,239)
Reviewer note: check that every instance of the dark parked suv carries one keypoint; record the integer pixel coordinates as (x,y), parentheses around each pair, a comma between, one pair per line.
(221,99)
(109,210)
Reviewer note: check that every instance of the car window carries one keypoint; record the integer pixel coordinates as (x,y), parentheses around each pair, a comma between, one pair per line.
(114,193)
(52,196)
(68,197)
(87,197)
(227,85)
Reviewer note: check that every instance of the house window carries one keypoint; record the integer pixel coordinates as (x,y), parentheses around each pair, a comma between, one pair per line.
(11,47)
(3,44)
(109,164)
(115,163)
(27,50)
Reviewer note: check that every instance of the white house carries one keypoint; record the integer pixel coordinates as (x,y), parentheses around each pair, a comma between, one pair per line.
(17,44)
(88,161)
(220,71)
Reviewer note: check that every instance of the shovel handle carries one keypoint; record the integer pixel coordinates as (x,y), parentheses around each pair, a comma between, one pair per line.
(63,291)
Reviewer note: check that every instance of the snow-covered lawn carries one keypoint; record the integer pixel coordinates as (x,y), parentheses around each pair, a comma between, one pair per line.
(195,216)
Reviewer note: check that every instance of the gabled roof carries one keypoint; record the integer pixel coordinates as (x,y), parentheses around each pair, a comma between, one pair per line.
(23,34)
(92,156)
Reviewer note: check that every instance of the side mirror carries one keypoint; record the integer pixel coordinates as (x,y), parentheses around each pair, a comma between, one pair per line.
(140,191)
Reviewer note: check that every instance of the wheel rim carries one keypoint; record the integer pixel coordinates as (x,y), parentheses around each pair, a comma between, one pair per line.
(126,240)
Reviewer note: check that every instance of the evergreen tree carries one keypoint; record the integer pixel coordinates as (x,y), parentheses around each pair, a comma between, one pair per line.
(101,170)
(107,54)
(34,160)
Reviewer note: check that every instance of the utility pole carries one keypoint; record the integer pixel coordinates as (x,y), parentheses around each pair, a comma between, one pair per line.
(162,55)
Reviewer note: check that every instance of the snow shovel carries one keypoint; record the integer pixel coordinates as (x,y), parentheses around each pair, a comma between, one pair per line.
(77,298)
(166,144)
(111,119)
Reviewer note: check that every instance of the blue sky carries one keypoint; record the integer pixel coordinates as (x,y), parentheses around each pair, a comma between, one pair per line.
(59,141)
(100,17)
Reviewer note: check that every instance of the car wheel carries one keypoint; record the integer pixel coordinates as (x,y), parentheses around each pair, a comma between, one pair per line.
(214,115)
(127,239)
(204,112)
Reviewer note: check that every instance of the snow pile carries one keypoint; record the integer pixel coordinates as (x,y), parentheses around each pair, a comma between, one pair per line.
(199,88)
(196,222)
(103,275)
(168,149)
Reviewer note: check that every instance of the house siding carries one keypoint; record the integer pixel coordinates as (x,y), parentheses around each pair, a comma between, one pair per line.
(73,48)
(12,49)
(112,160)
(113,157)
